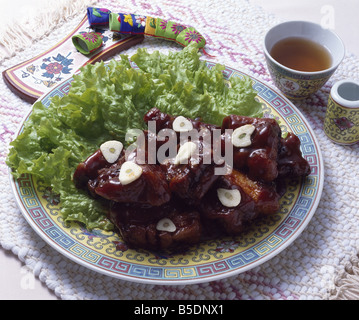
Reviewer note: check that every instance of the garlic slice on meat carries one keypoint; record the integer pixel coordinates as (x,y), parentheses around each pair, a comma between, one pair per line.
(129,172)
(241,137)
(111,150)
(185,152)
(166,224)
(181,124)
(229,197)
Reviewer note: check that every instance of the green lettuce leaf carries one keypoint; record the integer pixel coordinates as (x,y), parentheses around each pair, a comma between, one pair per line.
(193,90)
(107,100)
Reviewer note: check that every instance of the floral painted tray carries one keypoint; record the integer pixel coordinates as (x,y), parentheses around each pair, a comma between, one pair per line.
(39,75)
(107,253)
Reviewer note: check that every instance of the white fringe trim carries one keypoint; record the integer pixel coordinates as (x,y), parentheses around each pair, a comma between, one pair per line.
(347,284)
(16,35)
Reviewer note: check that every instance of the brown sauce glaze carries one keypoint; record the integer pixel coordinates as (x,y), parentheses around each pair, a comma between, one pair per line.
(137,225)
(192,180)
(165,121)
(290,159)
(88,169)
(257,199)
(150,188)
(259,160)
(187,193)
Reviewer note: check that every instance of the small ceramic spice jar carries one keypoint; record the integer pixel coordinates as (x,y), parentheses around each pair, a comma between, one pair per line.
(341,122)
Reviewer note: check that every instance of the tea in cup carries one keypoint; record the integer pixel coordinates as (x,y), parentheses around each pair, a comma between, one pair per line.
(341,123)
(301,56)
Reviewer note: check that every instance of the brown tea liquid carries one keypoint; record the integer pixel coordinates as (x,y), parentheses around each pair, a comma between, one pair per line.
(301,54)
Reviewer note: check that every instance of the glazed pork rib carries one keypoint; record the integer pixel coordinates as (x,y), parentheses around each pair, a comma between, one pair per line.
(150,188)
(259,160)
(290,159)
(191,180)
(268,157)
(172,205)
(257,199)
(145,226)
(165,121)
(101,179)
(88,169)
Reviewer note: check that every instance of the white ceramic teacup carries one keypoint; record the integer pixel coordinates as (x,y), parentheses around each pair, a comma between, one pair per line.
(301,84)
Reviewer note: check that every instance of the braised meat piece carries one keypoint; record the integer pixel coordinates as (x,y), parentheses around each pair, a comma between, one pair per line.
(192,179)
(259,159)
(88,169)
(188,181)
(145,226)
(264,195)
(256,199)
(290,159)
(146,147)
(150,188)
(165,121)
(162,120)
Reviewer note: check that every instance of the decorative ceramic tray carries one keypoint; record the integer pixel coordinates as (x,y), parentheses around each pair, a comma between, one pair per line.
(105,252)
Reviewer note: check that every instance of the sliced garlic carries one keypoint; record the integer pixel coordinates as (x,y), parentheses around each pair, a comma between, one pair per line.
(129,172)
(241,137)
(229,197)
(111,150)
(166,224)
(227,83)
(185,152)
(181,124)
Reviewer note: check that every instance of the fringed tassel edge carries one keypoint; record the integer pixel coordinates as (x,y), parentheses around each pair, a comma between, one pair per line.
(347,284)
(14,37)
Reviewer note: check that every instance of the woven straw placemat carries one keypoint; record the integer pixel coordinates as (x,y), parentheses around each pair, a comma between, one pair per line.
(321,264)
